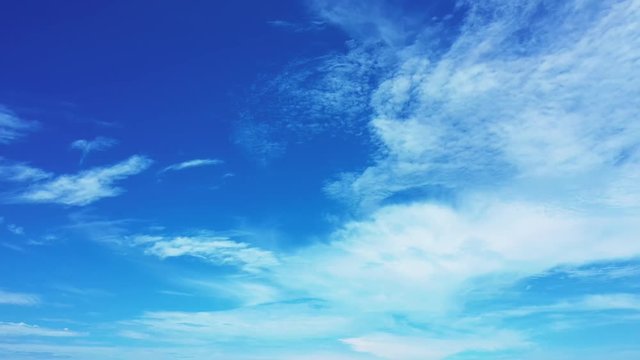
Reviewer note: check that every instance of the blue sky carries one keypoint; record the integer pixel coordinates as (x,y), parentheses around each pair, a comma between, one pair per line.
(321,179)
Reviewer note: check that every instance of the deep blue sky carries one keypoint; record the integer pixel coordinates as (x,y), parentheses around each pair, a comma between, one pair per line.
(319,179)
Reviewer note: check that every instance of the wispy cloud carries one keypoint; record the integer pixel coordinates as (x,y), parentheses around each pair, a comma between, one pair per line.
(388,346)
(15,229)
(495,106)
(304,320)
(217,250)
(589,303)
(13,127)
(13,298)
(20,172)
(11,329)
(192,164)
(87,146)
(309,98)
(81,292)
(84,187)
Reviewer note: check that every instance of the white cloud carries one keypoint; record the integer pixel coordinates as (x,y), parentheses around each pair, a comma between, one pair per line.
(308,98)
(17,172)
(163,352)
(11,329)
(15,229)
(607,272)
(388,346)
(87,146)
(495,107)
(13,298)
(84,187)
(217,250)
(284,322)
(617,302)
(409,249)
(393,265)
(192,164)
(12,127)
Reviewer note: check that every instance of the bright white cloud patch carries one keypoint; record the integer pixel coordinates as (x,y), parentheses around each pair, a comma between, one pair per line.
(12,127)
(84,187)
(386,346)
(217,250)
(410,249)
(13,298)
(87,146)
(499,106)
(192,164)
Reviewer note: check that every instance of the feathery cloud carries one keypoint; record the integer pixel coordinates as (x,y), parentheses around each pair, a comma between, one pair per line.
(13,298)
(19,172)
(499,107)
(12,329)
(12,127)
(87,146)
(217,250)
(84,187)
(192,164)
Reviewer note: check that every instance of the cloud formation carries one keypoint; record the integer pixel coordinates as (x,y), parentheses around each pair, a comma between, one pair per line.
(528,121)
(216,250)
(19,172)
(13,298)
(509,102)
(11,329)
(13,127)
(192,164)
(84,187)
(87,146)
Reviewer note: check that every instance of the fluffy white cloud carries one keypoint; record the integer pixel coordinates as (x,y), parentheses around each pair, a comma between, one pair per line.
(12,127)
(13,298)
(397,260)
(192,164)
(84,187)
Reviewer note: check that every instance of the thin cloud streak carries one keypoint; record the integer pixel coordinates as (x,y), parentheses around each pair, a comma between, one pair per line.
(84,187)
(12,127)
(192,164)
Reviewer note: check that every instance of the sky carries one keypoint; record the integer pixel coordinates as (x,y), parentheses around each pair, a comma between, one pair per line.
(320,179)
